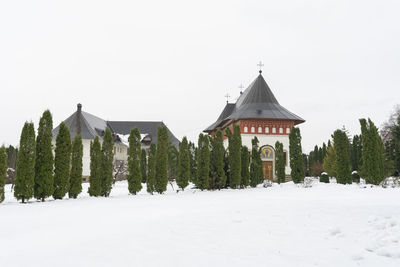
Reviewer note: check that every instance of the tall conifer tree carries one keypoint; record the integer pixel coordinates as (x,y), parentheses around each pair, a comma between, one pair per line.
(183,164)
(234,147)
(245,162)
(3,172)
(218,176)
(256,172)
(107,158)
(343,172)
(75,187)
(296,157)
(44,180)
(162,160)
(151,166)
(279,162)
(62,162)
(192,150)
(135,174)
(203,163)
(24,179)
(95,168)
(143,165)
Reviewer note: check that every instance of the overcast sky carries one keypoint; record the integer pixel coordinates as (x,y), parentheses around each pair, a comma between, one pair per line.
(330,62)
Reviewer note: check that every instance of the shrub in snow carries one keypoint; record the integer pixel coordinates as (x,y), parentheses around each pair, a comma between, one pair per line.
(390,182)
(356,177)
(267,183)
(324,178)
(308,181)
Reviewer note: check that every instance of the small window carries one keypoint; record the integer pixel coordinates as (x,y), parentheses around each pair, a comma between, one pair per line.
(246,129)
(253,129)
(281,130)
(288,130)
(259,129)
(273,130)
(266,130)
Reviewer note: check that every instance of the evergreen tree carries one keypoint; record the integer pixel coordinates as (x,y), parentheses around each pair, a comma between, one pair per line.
(134,171)
(372,153)
(183,177)
(44,180)
(324,148)
(329,144)
(151,167)
(203,162)
(24,179)
(356,148)
(95,168)
(296,158)
(256,172)
(3,172)
(234,148)
(75,187)
(280,162)
(193,166)
(162,160)
(396,145)
(12,154)
(330,161)
(172,162)
(62,162)
(107,158)
(343,173)
(245,162)
(143,165)
(217,164)
(305,164)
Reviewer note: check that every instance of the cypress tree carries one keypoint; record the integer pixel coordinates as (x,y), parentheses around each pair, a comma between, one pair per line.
(95,168)
(203,162)
(143,165)
(183,164)
(107,158)
(75,187)
(134,171)
(356,153)
(172,162)
(151,173)
(24,179)
(396,145)
(162,160)
(323,152)
(62,162)
(245,162)
(372,153)
(296,158)
(256,172)
(192,150)
(280,162)
(305,164)
(234,147)
(342,157)
(44,180)
(217,164)
(330,161)
(3,172)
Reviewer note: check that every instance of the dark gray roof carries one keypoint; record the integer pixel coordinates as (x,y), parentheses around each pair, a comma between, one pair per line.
(256,102)
(90,126)
(145,127)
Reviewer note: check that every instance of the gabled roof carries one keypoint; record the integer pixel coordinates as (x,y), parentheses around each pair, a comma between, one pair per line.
(91,126)
(256,102)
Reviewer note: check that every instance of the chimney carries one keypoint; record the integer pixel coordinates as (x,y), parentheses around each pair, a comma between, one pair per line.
(79,107)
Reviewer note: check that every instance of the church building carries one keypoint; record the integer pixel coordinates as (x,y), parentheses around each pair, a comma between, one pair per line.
(259,114)
(90,126)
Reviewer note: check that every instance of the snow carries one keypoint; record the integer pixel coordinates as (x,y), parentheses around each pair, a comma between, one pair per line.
(125,138)
(281,225)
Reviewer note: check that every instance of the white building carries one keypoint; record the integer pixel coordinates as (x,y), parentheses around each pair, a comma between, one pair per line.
(259,114)
(89,126)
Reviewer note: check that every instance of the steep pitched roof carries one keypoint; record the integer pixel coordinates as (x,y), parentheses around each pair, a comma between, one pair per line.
(256,102)
(145,127)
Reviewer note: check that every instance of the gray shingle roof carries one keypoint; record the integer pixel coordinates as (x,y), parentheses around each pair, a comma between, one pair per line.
(89,126)
(256,102)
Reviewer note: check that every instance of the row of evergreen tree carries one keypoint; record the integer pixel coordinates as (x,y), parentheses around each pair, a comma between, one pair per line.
(364,155)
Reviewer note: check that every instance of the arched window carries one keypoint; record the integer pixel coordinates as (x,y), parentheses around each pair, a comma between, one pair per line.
(266,130)
(246,129)
(281,130)
(288,130)
(259,129)
(273,130)
(253,129)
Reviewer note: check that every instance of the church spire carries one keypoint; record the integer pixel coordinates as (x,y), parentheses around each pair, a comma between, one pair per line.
(260,65)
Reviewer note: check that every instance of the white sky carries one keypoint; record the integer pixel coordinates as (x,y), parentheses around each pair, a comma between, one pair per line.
(330,62)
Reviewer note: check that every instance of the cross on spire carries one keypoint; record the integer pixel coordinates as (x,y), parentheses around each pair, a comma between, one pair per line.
(227,97)
(260,65)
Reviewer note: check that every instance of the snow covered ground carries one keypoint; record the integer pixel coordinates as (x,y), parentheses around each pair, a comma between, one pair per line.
(284,225)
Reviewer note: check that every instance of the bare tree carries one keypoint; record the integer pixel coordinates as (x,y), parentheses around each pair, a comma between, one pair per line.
(386,129)
(120,170)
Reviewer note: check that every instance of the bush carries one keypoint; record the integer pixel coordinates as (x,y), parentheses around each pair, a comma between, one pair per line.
(324,178)
(356,177)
